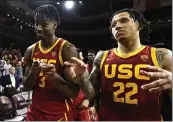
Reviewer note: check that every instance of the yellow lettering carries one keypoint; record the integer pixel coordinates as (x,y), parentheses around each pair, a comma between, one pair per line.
(35,59)
(126,70)
(42,84)
(126,98)
(113,69)
(44,60)
(137,72)
(130,93)
(119,91)
(51,61)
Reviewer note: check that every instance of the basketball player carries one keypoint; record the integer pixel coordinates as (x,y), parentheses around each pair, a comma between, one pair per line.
(91,55)
(131,77)
(94,103)
(45,70)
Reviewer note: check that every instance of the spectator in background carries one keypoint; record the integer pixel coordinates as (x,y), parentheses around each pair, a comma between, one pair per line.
(7,66)
(5,57)
(91,55)
(10,82)
(19,70)
(2,64)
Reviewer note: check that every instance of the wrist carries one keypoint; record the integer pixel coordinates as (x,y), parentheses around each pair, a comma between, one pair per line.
(84,74)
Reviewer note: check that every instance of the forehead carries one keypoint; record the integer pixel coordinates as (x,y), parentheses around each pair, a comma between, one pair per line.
(90,53)
(12,68)
(121,15)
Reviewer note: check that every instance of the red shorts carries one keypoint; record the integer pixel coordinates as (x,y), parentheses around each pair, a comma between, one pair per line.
(34,114)
(80,114)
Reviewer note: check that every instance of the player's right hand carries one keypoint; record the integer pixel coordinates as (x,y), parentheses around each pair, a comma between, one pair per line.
(35,67)
(76,66)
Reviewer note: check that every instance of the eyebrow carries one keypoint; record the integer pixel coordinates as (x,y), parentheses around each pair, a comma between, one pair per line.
(120,18)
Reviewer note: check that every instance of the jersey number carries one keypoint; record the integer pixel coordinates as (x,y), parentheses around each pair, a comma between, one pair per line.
(126,98)
(42,83)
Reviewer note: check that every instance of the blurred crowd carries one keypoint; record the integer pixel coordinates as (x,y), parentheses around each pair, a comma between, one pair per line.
(11,58)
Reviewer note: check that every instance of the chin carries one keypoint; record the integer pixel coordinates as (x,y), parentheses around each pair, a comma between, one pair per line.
(121,39)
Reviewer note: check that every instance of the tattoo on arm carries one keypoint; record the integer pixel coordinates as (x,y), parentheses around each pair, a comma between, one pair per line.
(160,55)
(91,85)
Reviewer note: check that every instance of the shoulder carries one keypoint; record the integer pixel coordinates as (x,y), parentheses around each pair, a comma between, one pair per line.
(30,48)
(163,56)
(29,52)
(99,57)
(68,51)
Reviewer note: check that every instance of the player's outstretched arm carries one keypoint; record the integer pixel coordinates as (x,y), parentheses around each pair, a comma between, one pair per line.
(66,84)
(163,75)
(90,85)
(30,71)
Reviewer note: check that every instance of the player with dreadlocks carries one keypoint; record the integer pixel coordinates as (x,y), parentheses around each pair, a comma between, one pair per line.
(131,77)
(45,70)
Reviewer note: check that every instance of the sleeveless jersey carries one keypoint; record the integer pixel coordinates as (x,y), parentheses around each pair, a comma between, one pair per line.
(122,98)
(45,96)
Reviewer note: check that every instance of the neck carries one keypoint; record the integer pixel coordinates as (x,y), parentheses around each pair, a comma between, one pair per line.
(46,43)
(90,62)
(129,46)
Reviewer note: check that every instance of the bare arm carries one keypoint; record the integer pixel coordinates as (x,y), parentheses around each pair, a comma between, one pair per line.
(29,77)
(90,85)
(164,57)
(66,86)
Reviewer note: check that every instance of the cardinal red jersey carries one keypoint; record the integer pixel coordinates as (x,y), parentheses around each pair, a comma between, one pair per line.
(79,98)
(89,68)
(122,98)
(45,96)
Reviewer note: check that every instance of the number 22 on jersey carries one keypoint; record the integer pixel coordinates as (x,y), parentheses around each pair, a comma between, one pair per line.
(127,98)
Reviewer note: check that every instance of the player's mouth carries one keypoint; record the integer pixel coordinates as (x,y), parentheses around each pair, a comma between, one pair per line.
(119,33)
(39,34)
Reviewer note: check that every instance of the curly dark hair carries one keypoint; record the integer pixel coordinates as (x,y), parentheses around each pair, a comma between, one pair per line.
(46,12)
(137,16)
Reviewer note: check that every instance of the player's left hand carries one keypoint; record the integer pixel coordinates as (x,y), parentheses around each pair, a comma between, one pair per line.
(84,104)
(49,72)
(163,79)
(76,66)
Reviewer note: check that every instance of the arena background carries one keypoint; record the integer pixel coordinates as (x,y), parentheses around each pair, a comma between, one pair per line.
(86,26)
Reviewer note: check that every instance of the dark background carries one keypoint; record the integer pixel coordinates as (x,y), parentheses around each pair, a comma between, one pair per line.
(86,26)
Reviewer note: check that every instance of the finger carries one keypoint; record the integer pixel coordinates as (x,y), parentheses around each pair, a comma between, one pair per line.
(72,72)
(152,74)
(48,74)
(49,68)
(154,84)
(68,63)
(161,88)
(76,60)
(154,68)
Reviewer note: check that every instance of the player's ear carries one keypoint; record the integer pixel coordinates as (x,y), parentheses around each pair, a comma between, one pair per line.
(55,25)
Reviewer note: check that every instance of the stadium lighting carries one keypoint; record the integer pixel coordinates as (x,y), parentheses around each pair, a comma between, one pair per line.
(69,4)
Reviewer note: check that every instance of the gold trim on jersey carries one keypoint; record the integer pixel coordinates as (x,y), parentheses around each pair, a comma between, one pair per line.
(89,115)
(130,54)
(71,100)
(49,49)
(66,103)
(60,53)
(65,117)
(153,56)
(103,59)
(33,49)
